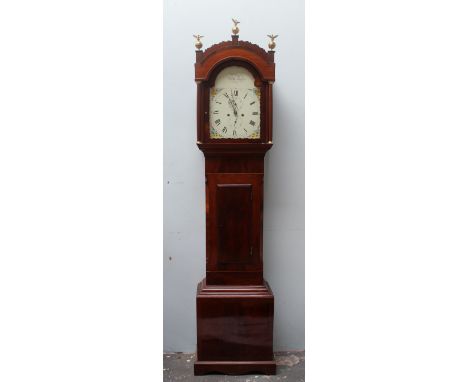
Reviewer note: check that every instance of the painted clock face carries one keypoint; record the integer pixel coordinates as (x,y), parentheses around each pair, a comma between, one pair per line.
(234,105)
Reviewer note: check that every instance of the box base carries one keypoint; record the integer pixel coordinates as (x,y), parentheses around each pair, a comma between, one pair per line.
(234,329)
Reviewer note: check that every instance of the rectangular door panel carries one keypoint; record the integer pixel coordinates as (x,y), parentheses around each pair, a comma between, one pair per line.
(234,222)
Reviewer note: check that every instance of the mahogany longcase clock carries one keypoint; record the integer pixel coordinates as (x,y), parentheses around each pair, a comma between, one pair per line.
(234,131)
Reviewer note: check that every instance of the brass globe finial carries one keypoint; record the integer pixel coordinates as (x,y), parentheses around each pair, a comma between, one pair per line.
(235,28)
(198,43)
(272,43)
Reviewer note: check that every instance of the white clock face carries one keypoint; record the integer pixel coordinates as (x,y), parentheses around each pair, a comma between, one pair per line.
(234,105)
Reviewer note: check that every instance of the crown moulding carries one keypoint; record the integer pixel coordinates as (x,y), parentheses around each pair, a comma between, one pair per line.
(208,59)
(237,43)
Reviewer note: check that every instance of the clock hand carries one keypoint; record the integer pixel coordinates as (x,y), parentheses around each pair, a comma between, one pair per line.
(235,103)
(233,107)
(236,113)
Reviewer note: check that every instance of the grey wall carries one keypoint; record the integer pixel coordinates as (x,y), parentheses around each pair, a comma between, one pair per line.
(184,198)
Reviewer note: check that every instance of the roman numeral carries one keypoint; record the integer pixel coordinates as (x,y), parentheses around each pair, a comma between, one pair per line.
(236,93)
(255,113)
(225,94)
(218,121)
(252,102)
(234,133)
(252,123)
(219,102)
(245,95)
(245,130)
(224,129)
(216,112)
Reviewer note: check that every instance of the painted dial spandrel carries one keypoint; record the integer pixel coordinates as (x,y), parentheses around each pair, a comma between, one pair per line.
(234,105)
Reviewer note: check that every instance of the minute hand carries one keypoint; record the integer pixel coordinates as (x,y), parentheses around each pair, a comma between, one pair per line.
(233,105)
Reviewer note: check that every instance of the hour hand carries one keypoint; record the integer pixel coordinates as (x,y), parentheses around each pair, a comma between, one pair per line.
(234,108)
(234,101)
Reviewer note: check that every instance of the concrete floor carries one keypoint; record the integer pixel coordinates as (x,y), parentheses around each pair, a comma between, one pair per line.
(179,367)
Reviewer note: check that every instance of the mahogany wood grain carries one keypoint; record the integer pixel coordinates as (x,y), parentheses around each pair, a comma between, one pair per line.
(234,225)
(234,329)
(234,277)
(230,164)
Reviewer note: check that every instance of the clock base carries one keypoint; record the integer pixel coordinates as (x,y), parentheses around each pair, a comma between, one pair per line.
(234,329)
(235,368)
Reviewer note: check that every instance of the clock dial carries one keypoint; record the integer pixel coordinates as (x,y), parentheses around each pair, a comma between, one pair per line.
(234,105)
